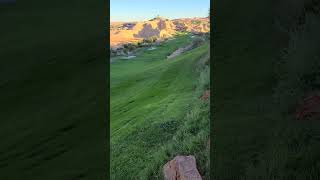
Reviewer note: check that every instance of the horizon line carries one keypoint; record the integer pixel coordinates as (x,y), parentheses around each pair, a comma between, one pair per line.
(160,17)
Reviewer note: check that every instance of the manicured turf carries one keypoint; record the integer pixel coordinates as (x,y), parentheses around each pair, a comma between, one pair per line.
(156,113)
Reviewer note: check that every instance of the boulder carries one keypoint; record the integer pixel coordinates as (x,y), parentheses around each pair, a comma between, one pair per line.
(181,168)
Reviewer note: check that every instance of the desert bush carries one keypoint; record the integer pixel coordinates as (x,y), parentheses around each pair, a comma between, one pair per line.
(130,46)
(153,38)
(125,51)
(147,41)
(139,44)
(150,40)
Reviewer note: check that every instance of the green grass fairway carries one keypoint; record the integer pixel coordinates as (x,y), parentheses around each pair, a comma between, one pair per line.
(156,112)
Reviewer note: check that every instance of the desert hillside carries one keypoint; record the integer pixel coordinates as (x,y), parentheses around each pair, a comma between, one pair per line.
(131,32)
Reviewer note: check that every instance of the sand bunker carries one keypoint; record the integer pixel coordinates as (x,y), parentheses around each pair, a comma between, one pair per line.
(152,48)
(128,57)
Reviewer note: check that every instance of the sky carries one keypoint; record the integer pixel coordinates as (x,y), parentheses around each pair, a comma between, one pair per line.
(140,10)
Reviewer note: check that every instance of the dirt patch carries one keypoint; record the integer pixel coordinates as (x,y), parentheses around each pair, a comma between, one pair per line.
(195,43)
(176,53)
(180,51)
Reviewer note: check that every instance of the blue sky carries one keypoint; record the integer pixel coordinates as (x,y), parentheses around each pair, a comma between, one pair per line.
(138,10)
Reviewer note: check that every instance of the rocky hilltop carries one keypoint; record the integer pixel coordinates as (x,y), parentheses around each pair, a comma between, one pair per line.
(133,32)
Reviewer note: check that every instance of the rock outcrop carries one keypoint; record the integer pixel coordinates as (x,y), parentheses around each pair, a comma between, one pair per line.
(133,32)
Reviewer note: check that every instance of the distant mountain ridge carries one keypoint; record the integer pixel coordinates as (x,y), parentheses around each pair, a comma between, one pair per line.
(133,32)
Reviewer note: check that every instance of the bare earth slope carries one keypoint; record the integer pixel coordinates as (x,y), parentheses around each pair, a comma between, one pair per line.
(133,32)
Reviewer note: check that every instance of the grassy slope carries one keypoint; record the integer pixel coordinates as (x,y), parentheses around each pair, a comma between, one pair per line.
(53,91)
(150,99)
(253,139)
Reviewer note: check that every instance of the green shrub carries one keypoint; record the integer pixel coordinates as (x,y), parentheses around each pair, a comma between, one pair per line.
(150,39)
(153,39)
(139,44)
(147,41)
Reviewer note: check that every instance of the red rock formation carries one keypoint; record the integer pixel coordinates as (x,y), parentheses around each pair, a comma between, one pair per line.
(123,33)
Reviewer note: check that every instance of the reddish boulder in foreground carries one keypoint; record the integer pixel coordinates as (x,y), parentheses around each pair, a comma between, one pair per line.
(181,168)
